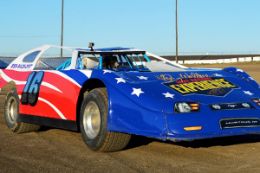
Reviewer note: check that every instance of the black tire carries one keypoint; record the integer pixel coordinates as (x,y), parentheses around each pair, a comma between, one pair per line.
(2,107)
(11,115)
(3,92)
(103,140)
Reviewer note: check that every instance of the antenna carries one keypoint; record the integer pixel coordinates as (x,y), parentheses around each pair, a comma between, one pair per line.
(91,46)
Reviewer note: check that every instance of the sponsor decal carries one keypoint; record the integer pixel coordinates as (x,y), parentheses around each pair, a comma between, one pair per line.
(192,76)
(21,66)
(165,77)
(202,85)
(236,123)
(170,78)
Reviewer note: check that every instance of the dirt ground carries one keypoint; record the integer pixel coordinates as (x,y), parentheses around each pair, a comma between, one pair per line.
(251,68)
(53,150)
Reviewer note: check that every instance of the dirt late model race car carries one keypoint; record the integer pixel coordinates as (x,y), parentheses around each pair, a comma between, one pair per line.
(111,93)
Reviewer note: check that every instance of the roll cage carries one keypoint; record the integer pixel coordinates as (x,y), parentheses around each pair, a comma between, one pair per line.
(31,59)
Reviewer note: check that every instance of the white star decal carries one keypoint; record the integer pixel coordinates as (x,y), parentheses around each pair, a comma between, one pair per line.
(248,93)
(240,70)
(137,92)
(218,75)
(251,78)
(142,77)
(120,80)
(168,95)
(107,71)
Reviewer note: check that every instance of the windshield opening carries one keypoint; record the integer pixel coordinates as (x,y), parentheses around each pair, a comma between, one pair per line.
(123,61)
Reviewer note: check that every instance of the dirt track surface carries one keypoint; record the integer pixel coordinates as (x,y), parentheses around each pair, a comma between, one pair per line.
(53,150)
(251,68)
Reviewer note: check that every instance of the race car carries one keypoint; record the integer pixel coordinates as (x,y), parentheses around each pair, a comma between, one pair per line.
(109,94)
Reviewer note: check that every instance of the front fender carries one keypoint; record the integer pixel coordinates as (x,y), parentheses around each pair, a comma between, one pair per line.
(127,116)
(129,113)
(242,75)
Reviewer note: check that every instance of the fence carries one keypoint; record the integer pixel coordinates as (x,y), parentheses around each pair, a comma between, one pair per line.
(213,59)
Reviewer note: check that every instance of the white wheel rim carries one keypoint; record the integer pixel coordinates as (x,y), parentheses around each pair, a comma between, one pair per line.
(12,110)
(92,120)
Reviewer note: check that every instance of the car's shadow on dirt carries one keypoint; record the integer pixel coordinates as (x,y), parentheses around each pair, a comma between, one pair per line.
(223,141)
(137,141)
(44,129)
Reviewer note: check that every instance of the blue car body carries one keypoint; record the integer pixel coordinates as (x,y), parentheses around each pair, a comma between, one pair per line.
(221,102)
(153,115)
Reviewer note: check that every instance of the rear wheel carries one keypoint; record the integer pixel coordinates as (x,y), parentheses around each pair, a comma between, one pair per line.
(93,124)
(11,115)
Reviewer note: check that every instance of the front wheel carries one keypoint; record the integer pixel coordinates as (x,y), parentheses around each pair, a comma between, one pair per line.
(93,124)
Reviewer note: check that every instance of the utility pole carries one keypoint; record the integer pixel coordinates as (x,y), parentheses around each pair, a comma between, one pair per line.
(176,29)
(62,26)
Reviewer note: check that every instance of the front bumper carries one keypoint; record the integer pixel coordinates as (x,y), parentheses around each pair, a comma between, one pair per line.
(210,125)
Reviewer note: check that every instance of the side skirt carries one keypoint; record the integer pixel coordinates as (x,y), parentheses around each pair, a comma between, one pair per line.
(49,122)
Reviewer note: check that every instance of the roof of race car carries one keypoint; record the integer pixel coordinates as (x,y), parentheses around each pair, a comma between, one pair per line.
(106,49)
(98,50)
(111,50)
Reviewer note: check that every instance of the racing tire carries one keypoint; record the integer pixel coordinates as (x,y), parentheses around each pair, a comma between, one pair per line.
(3,92)
(93,124)
(11,115)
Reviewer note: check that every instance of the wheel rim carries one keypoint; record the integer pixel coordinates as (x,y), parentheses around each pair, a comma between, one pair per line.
(92,120)
(12,110)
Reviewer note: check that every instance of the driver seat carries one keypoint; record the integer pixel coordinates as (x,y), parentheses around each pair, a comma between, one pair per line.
(89,63)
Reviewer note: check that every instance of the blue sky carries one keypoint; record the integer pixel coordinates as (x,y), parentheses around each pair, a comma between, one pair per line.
(206,26)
